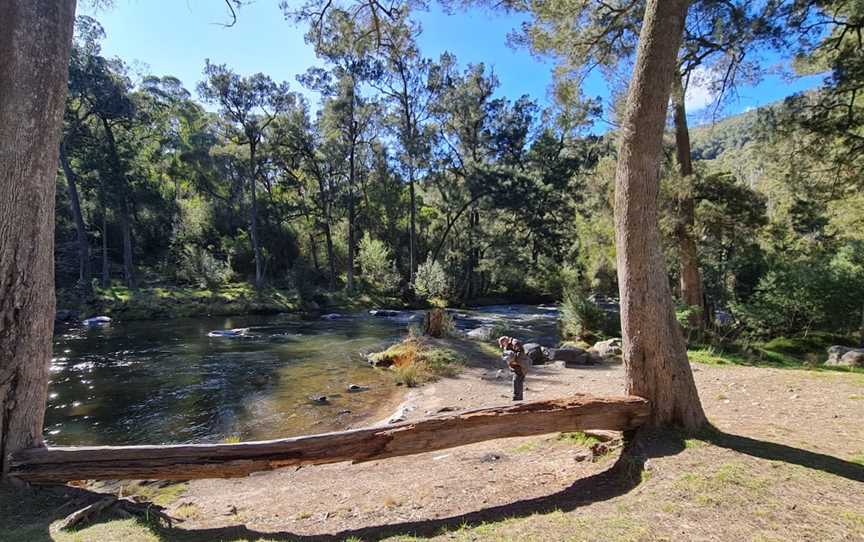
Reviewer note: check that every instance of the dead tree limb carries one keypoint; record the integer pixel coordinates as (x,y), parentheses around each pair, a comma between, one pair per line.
(188,461)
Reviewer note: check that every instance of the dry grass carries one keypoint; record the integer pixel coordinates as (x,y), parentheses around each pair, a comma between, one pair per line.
(416,361)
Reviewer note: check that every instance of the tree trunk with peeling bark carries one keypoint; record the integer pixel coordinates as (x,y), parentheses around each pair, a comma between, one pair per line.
(690,279)
(655,354)
(35,41)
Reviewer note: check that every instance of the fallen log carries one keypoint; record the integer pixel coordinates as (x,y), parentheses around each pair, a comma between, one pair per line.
(188,461)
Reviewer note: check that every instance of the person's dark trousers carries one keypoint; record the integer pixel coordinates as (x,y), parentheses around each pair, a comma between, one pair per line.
(518,385)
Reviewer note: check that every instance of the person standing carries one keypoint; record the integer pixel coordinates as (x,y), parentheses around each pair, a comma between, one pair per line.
(513,354)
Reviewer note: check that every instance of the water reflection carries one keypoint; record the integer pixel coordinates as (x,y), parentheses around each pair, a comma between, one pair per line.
(167,382)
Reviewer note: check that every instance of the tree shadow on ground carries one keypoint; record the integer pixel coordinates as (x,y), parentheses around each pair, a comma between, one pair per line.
(773,451)
(618,480)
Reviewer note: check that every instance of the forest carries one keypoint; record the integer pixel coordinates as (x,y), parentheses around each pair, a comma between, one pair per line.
(392,299)
(414,180)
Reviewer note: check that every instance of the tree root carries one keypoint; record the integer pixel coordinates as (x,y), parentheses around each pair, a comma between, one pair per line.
(124,507)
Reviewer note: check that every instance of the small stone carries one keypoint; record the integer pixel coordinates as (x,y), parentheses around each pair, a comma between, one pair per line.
(583,456)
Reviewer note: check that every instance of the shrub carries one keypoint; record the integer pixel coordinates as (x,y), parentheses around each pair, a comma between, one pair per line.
(376,265)
(580,317)
(198,266)
(430,280)
(437,323)
(796,298)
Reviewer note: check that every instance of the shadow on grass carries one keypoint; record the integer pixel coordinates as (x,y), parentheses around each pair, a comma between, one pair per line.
(787,454)
(618,480)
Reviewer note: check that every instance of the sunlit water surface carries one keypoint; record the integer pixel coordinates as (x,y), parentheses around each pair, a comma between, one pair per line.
(168,382)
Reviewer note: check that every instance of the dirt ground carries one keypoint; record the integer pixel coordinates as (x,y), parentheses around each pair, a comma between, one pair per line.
(781,468)
(786,464)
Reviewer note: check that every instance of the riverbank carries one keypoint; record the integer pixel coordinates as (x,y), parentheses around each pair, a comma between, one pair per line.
(785,463)
(160,302)
(235,299)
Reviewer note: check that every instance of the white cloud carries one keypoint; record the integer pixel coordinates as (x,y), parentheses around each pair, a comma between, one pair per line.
(699,93)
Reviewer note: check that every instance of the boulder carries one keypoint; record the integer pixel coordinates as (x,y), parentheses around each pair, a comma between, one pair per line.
(354,388)
(535,353)
(843,356)
(482,333)
(97,321)
(608,349)
(333,316)
(319,400)
(384,313)
(853,358)
(229,333)
(835,353)
(570,356)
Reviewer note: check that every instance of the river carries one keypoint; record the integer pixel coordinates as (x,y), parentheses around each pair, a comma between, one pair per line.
(169,382)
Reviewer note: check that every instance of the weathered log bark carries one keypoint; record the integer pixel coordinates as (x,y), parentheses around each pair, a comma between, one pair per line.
(690,279)
(184,462)
(35,41)
(655,355)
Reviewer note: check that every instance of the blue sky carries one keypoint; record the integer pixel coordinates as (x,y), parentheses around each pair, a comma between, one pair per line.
(174,37)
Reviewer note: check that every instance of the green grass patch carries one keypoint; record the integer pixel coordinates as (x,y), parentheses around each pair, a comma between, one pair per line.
(416,361)
(578,438)
(803,353)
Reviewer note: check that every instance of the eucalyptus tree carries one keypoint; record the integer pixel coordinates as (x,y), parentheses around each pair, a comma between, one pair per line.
(718,53)
(405,84)
(345,44)
(35,46)
(248,106)
(78,109)
(655,354)
(100,121)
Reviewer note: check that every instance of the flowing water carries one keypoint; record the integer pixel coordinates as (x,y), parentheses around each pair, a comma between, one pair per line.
(168,382)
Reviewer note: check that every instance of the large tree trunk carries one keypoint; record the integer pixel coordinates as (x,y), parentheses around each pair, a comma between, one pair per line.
(35,40)
(128,258)
(125,223)
(690,279)
(655,355)
(349,283)
(84,273)
(106,266)
(253,226)
(412,239)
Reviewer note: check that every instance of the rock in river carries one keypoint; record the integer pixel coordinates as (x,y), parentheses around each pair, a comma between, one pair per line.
(483,333)
(384,313)
(229,333)
(97,321)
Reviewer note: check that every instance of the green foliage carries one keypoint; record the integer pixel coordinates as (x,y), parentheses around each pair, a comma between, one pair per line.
(582,319)
(377,266)
(798,297)
(438,323)
(579,438)
(430,280)
(198,266)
